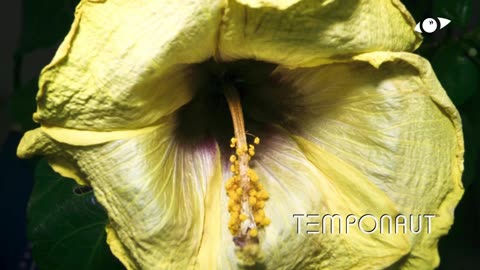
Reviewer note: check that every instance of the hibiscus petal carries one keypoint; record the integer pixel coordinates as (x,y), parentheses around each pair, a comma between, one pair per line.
(297,186)
(386,115)
(121,61)
(162,198)
(308,32)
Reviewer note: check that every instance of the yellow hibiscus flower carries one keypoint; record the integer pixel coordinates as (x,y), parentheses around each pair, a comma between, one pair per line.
(329,112)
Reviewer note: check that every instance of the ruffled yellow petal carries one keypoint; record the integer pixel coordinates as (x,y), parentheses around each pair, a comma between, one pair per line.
(161,197)
(387,116)
(308,32)
(297,186)
(123,64)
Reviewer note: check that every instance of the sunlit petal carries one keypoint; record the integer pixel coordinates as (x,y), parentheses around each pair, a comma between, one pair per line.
(161,211)
(308,32)
(123,63)
(388,117)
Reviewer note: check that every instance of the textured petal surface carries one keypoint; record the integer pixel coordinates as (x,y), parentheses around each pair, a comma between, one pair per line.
(159,211)
(307,32)
(389,119)
(127,55)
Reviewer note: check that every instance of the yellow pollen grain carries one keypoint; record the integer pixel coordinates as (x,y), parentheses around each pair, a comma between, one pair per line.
(259,186)
(260,204)
(256,140)
(236,208)
(233,158)
(259,214)
(233,142)
(234,196)
(263,194)
(253,232)
(266,221)
(252,175)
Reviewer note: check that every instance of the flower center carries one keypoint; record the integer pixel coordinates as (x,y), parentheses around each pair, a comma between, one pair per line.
(246,195)
(242,95)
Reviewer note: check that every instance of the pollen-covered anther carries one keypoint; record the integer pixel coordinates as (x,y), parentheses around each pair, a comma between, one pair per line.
(260,204)
(263,195)
(244,187)
(252,175)
(229,183)
(246,195)
(241,150)
(251,150)
(233,142)
(253,232)
(266,221)
(243,217)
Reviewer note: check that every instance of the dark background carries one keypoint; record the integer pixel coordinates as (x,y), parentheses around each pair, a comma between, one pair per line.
(30,33)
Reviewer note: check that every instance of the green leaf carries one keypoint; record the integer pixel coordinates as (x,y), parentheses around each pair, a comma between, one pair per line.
(471,151)
(66,225)
(471,110)
(458,11)
(23,105)
(474,37)
(471,42)
(457,73)
(45,22)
